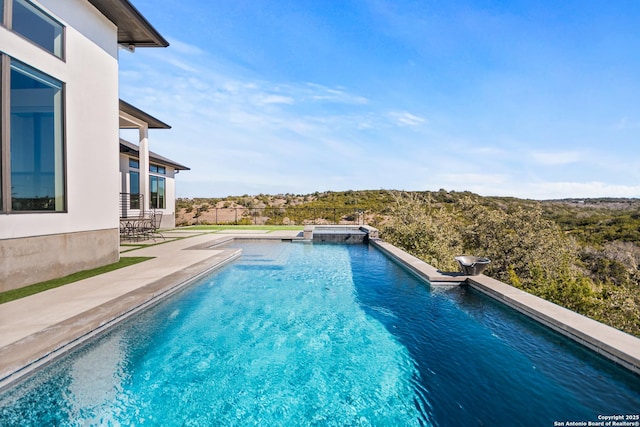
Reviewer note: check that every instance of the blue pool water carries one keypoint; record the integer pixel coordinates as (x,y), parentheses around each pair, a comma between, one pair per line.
(307,334)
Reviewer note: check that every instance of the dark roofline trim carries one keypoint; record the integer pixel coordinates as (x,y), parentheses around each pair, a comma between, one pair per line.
(133,27)
(127,147)
(153,123)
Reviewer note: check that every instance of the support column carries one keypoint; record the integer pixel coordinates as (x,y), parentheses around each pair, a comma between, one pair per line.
(144,165)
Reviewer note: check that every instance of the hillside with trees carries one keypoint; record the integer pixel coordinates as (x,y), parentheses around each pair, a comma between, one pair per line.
(581,254)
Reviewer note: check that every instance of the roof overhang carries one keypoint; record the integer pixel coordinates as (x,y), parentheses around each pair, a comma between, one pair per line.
(130,148)
(130,118)
(133,29)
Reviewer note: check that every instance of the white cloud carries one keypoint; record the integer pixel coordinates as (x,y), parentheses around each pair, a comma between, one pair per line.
(486,151)
(476,180)
(265,98)
(545,190)
(321,93)
(557,158)
(555,190)
(177,60)
(183,48)
(403,118)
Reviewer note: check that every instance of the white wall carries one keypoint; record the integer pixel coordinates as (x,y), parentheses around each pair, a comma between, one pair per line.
(171,191)
(90,73)
(83,17)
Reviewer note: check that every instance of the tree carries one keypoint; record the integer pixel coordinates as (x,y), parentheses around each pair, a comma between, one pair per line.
(424,230)
(519,241)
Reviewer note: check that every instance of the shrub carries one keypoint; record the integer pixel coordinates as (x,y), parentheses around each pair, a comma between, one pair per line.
(518,241)
(425,231)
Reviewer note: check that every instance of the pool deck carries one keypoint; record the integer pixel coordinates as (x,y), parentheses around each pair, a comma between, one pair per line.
(36,329)
(39,327)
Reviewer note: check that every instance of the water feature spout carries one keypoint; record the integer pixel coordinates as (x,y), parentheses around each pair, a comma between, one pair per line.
(472,265)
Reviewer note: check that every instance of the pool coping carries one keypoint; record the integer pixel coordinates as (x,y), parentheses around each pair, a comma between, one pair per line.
(615,345)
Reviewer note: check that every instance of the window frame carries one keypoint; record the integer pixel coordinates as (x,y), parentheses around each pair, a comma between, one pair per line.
(153,203)
(7,22)
(6,199)
(5,134)
(157,169)
(134,168)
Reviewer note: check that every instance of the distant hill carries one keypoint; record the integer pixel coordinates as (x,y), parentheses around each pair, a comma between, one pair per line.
(601,218)
(605,202)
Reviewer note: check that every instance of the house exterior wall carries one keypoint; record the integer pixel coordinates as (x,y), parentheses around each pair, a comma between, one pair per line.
(86,235)
(169,216)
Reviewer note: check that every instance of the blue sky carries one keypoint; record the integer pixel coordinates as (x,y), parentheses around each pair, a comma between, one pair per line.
(533,98)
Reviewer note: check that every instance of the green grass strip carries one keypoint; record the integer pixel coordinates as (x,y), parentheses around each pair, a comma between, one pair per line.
(55,283)
(244,227)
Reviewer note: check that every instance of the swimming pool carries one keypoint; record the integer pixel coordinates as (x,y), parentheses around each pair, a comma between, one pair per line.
(323,334)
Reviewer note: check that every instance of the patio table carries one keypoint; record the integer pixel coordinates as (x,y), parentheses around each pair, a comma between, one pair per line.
(135,228)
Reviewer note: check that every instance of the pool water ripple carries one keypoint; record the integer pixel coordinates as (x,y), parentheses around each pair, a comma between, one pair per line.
(325,335)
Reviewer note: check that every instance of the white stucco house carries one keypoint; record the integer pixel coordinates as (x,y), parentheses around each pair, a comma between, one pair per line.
(60,115)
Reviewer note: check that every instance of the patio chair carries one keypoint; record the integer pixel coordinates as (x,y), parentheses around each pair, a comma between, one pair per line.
(134,226)
(152,226)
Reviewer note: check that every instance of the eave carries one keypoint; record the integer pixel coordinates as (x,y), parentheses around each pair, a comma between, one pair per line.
(133,29)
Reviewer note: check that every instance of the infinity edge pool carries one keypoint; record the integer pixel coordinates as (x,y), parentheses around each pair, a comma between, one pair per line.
(24,356)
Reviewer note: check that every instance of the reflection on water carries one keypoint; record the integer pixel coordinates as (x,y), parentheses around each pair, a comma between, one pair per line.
(323,335)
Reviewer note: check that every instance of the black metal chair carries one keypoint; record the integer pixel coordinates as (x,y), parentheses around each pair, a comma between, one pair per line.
(152,225)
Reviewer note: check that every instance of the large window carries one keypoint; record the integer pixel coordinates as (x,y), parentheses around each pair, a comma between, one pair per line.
(35,25)
(157,185)
(33,165)
(157,169)
(134,184)
(157,188)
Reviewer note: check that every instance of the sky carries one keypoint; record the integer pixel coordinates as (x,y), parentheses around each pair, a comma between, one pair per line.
(534,99)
